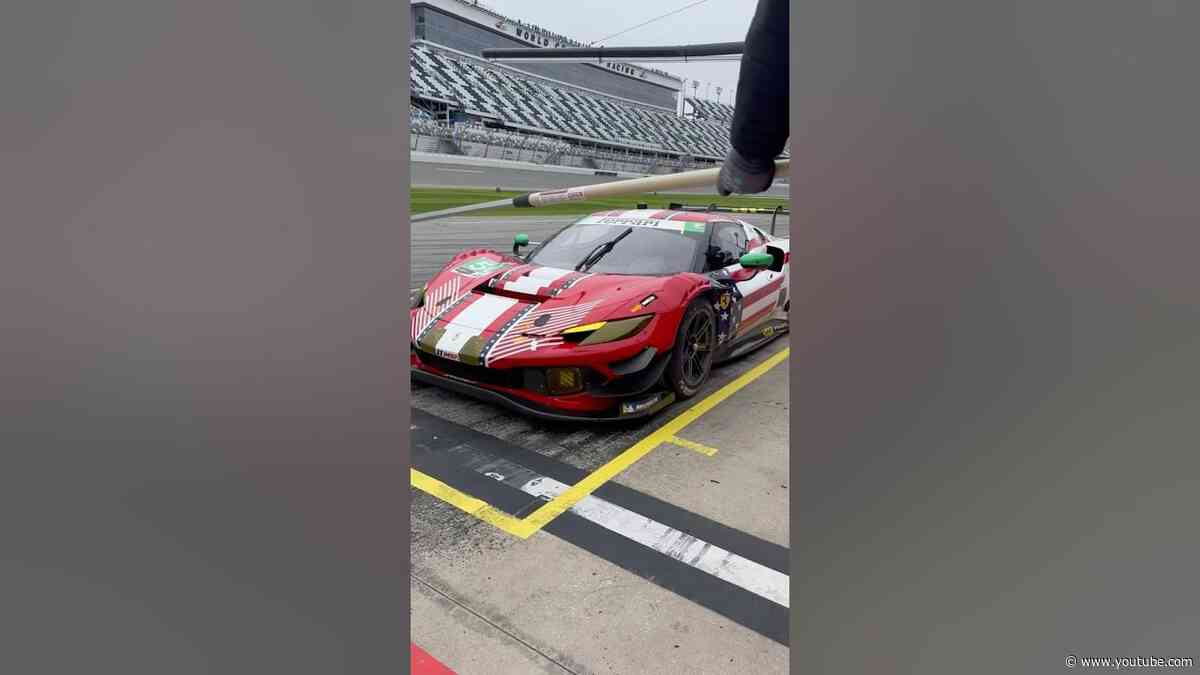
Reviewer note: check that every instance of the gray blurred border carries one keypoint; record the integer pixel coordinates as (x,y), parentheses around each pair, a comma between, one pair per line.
(403,267)
(203,374)
(997,345)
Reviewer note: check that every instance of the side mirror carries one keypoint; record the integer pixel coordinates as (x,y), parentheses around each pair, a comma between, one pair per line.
(519,241)
(753,261)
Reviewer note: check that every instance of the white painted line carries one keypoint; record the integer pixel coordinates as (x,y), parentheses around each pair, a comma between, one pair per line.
(441,168)
(762,581)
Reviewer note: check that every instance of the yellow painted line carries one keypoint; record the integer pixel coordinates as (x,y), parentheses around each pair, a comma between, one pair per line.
(524,528)
(693,445)
(476,507)
(560,504)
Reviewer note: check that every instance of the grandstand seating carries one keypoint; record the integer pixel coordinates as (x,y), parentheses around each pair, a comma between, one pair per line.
(476,140)
(713,111)
(558,108)
(477,133)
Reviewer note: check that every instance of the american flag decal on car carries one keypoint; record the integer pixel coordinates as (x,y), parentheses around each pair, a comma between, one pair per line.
(567,282)
(437,301)
(533,329)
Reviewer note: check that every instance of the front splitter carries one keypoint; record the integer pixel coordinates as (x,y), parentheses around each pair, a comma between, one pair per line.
(524,407)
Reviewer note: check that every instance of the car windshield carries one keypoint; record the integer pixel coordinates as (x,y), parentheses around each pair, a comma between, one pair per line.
(644,251)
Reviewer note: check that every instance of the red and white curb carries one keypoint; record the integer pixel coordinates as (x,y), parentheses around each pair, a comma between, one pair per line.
(421,663)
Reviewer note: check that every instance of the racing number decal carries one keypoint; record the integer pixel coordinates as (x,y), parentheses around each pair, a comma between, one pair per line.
(479,266)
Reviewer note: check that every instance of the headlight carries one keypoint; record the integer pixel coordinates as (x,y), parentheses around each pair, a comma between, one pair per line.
(563,381)
(606,331)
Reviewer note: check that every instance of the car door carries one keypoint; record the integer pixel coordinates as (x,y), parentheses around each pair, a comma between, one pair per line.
(760,292)
(725,246)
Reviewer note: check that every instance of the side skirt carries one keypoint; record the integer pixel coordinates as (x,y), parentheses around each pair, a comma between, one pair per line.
(749,342)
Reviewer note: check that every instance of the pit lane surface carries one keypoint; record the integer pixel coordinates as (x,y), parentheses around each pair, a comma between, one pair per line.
(590,591)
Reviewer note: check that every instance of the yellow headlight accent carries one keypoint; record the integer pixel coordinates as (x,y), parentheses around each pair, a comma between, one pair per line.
(617,330)
(585,328)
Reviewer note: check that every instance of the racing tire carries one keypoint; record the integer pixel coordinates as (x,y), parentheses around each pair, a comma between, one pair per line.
(695,344)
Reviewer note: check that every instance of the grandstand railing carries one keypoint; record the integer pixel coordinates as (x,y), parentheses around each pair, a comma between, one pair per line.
(473,140)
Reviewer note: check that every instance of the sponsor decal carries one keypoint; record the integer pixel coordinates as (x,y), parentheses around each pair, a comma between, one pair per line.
(692,226)
(630,407)
(622,68)
(638,222)
(768,331)
(480,266)
(555,196)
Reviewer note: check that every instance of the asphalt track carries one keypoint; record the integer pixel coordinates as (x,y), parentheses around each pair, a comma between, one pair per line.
(669,554)
(451,171)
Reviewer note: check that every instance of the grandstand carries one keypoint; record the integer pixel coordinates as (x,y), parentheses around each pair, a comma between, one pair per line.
(465,105)
(702,109)
(469,27)
(538,105)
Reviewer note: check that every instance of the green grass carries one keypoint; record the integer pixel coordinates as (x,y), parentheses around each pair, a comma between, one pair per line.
(434,199)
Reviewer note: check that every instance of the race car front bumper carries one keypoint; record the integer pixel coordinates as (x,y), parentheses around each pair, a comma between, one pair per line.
(641,407)
(634,394)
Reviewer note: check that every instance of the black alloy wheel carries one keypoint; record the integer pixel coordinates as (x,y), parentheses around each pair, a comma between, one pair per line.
(695,343)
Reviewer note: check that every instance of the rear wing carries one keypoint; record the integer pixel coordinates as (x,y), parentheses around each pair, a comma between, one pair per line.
(715,208)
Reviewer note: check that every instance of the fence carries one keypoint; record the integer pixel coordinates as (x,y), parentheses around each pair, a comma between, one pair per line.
(476,140)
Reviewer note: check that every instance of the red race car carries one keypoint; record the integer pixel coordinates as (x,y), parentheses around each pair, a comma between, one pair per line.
(613,317)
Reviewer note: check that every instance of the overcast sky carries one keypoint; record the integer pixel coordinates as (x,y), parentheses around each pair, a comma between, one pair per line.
(588,20)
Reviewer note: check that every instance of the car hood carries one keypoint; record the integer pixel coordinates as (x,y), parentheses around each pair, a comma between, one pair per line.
(484,306)
(546,284)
